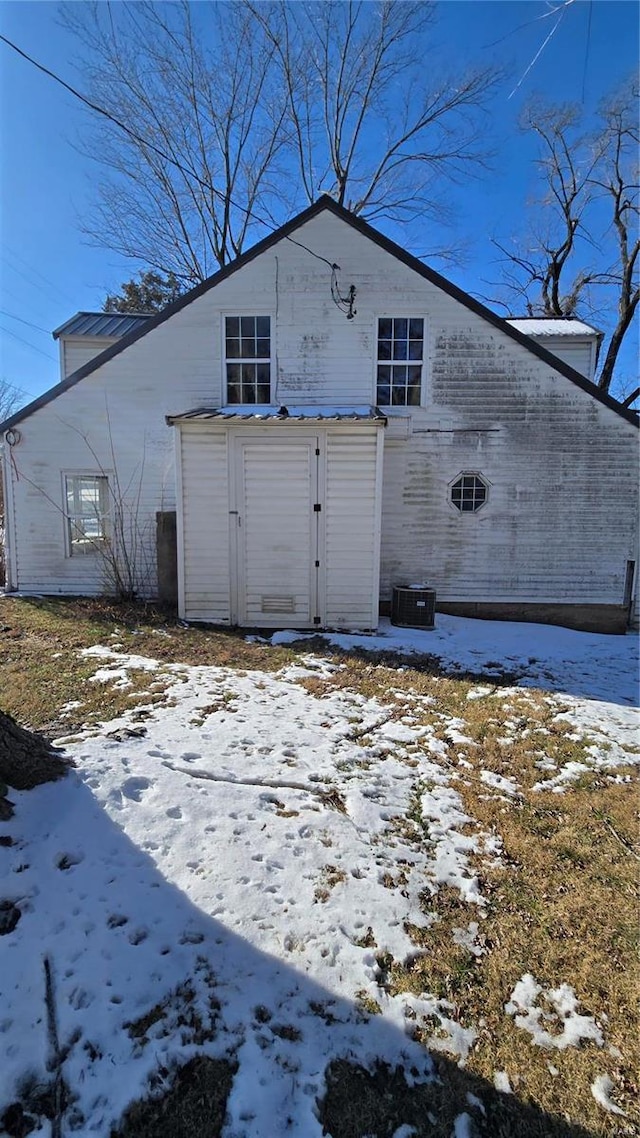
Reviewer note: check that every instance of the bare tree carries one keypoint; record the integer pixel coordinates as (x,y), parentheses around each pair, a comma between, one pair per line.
(372,122)
(239,113)
(581,255)
(10,399)
(195,87)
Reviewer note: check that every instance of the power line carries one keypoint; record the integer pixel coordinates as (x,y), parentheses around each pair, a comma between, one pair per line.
(33,347)
(225,197)
(34,272)
(132,133)
(37,327)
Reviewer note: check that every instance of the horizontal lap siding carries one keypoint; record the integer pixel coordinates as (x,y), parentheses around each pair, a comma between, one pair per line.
(351,527)
(77,352)
(561,519)
(205,506)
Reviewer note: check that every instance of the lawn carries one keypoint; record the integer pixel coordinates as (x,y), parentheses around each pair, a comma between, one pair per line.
(351,886)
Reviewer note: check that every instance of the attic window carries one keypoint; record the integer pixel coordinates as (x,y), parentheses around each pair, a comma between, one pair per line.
(248,359)
(400,359)
(87,499)
(468,493)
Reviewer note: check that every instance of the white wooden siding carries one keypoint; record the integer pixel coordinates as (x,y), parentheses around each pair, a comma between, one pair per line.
(561,520)
(352,528)
(76,351)
(579,354)
(205,525)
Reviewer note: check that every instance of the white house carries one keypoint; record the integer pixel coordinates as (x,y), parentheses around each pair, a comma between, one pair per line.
(329,418)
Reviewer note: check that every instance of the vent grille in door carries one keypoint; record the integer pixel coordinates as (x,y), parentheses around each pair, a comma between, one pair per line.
(278,604)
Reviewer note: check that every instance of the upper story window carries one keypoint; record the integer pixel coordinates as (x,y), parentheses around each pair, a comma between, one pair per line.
(87,497)
(248,359)
(400,360)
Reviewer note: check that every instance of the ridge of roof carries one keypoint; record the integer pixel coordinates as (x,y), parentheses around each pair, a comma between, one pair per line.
(324,202)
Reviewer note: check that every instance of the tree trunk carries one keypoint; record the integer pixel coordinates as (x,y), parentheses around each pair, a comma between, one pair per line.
(26,758)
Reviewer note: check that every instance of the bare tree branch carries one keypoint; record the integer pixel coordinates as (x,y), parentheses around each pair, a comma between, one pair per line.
(586,221)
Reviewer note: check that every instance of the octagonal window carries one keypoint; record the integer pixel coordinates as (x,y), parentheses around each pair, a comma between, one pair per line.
(469,493)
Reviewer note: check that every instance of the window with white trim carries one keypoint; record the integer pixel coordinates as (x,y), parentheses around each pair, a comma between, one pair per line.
(87,502)
(400,361)
(248,358)
(468,493)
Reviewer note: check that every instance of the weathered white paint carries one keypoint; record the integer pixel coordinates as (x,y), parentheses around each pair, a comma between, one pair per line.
(76,351)
(561,519)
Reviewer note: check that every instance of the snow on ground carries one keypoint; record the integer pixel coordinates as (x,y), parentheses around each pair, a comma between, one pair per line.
(594,678)
(589,665)
(557,1023)
(253,852)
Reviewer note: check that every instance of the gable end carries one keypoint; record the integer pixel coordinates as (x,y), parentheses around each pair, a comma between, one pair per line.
(385,243)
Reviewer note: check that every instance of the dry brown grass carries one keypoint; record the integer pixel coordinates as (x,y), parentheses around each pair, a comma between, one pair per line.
(562,904)
(41,669)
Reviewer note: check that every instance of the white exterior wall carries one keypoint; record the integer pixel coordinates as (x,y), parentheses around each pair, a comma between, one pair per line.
(560,522)
(76,351)
(578,353)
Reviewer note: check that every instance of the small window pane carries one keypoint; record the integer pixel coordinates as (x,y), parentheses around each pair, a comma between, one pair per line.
(233,325)
(416,329)
(247,348)
(400,328)
(233,373)
(263,349)
(247,325)
(415,349)
(263,326)
(384,328)
(264,393)
(413,396)
(384,349)
(233,349)
(384,395)
(399,349)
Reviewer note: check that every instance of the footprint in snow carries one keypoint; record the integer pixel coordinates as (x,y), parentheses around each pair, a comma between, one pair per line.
(67,861)
(116,920)
(190,756)
(132,788)
(138,936)
(173,812)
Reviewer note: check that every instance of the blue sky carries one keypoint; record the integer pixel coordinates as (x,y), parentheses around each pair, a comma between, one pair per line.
(48,271)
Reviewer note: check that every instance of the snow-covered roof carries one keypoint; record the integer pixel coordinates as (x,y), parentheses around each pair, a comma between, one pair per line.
(112,324)
(266,411)
(552,326)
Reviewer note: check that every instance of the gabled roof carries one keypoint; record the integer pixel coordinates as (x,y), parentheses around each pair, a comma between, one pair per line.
(102,324)
(363,227)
